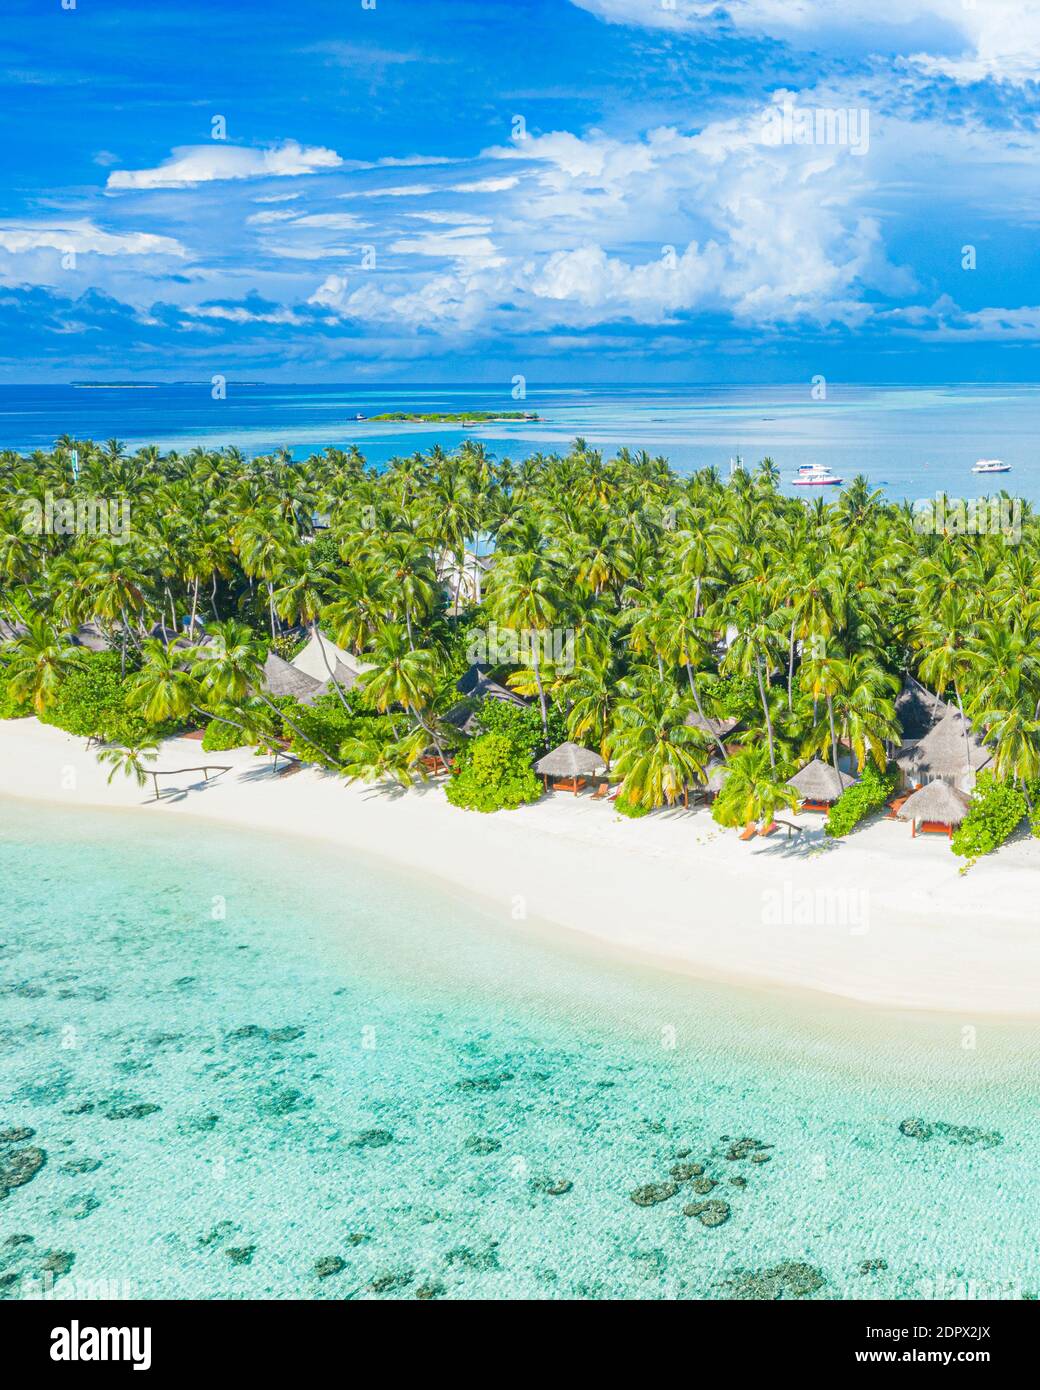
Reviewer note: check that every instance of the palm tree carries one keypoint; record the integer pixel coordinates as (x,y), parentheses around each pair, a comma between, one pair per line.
(230,671)
(130,760)
(754,789)
(526,596)
(38,662)
(655,752)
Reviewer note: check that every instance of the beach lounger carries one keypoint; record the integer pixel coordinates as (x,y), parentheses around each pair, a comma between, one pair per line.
(601,791)
(769,829)
(749,832)
(934,827)
(895,806)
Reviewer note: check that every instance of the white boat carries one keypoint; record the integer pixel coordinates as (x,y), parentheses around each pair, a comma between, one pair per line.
(991,466)
(815,475)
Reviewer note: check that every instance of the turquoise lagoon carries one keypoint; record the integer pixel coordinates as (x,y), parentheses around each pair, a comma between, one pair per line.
(261,1068)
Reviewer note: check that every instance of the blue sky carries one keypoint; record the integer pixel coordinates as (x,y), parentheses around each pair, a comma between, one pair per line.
(574,190)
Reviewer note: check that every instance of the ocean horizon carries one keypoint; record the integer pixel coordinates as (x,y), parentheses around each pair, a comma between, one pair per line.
(909,442)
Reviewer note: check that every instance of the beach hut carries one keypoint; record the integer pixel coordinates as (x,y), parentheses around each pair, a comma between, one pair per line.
(477,685)
(719,729)
(937,809)
(949,752)
(819,785)
(569,766)
(282,678)
(321,657)
(717,772)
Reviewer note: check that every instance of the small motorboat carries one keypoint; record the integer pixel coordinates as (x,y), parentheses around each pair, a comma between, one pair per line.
(991,466)
(815,475)
(360,417)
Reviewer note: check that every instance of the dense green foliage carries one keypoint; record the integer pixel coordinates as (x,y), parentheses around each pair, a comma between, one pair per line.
(869,794)
(94,702)
(494,774)
(633,598)
(522,726)
(997,810)
(221,735)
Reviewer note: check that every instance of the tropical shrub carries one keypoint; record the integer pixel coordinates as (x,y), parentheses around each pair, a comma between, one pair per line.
(522,726)
(728,697)
(93,702)
(869,794)
(633,809)
(997,809)
(325,725)
(10,708)
(493,773)
(221,736)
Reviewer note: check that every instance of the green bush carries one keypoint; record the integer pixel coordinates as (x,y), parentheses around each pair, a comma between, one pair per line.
(522,725)
(221,736)
(92,702)
(633,809)
(869,794)
(729,697)
(494,774)
(11,708)
(325,725)
(997,809)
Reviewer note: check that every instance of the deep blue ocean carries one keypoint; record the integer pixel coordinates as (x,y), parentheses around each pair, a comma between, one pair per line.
(908,441)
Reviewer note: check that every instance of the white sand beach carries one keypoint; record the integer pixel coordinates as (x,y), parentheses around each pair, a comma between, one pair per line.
(879,918)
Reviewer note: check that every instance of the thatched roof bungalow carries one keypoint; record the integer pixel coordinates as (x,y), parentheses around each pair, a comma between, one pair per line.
(949,752)
(714,728)
(938,807)
(568,766)
(819,785)
(321,656)
(282,678)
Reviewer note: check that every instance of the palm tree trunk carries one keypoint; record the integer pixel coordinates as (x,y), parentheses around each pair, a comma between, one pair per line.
(964,726)
(328,666)
(790,670)
(541,693)
(834,738)
(295,727)
(700,710)
(765,709)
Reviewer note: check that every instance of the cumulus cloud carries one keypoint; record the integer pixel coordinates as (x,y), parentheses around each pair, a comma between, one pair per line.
(83,237)
(194,164)
(999,39)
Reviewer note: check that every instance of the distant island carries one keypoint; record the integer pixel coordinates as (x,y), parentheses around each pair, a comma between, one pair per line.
(467,417)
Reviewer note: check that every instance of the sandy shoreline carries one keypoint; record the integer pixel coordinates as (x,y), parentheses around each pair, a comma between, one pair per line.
(879,918)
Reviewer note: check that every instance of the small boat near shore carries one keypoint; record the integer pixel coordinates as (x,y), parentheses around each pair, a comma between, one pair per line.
(815,475)
(991,466)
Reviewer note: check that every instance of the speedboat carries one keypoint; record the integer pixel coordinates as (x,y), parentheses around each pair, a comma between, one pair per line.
(815,475)
(991,466)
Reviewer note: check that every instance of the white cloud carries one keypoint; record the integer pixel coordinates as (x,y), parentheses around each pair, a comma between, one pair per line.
(195,164)
(952,38)
(237,313)
(84,238)
(458,243)
(492,185)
